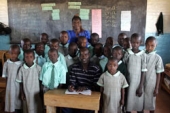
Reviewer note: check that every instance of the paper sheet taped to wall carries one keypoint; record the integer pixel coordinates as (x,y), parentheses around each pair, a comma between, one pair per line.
(125,20)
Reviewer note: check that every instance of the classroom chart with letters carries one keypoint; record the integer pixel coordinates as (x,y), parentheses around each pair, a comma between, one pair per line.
(30,18)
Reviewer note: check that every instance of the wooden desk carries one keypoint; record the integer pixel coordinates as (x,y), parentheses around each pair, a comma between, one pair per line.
(165,73)
(58,98)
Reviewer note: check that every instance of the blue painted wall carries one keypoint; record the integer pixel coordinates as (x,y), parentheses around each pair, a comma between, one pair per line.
(4,42)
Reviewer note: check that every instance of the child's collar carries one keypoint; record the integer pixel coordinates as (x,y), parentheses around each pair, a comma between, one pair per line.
(137,54)
(115,75)
(26,67)
(120,61)
(152,52)
(16,62)
(66,45)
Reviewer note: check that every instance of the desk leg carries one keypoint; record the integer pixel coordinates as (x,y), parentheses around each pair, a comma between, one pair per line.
(96,111)
(50,109)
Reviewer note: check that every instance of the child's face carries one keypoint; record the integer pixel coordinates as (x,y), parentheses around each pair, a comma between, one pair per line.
(64,38)
(94,40)
(44,39)
(40,49)
(121,39)
(84,56)
(112,66)
(54,45)
(29,58)
(82,43)
(53,56)
(98,51)
(109,42)
(126,44)
(106,51)
(117,54)
(76,24)
(150,46)
(73,51)
(26,45)
(14,54)
(136,43)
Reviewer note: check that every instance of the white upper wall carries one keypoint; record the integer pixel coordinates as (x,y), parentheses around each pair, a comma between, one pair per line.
(154,7)
(4,12)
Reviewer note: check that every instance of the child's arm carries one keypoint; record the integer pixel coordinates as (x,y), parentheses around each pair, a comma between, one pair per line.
(157,84)
(139,90)
(22,94)
(122,96)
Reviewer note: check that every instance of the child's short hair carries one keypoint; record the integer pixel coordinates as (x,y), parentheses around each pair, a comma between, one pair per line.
(76,18)
(151,38)
(122,34)
(72,44)
(112,59)
(28,52)
(117,48)
(63,32)
(84,49)
(53,50)
(15,46)
(54,40)
(25,40)
(135,35)
(81,38)
(44,34)
(38,44)
(94,35)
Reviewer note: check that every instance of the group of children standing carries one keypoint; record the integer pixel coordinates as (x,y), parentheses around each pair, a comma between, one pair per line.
(130,76)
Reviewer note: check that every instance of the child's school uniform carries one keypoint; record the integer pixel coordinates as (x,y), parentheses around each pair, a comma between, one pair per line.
(112,85)
(12,100)
(63,49)
(29,76)
(61,58)
(136,64)
(47,48)
(21,55)
(154,66)
(96,59)
(40,60)
(53,74)
(103,63)
(70,60)
(123,69)
(90,48)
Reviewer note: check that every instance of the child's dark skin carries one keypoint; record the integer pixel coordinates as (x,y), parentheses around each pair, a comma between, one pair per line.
(150,46)
(44,39)
(98,50)
(109,41)
(107,51)
(64,38)
(94,40)
(136,41)
(14,54)
(82,43)
(72,50)
(54,45)
(28,58)
(40,49)
(26,45)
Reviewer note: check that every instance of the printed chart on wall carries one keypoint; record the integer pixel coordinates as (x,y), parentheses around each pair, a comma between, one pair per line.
(30,18)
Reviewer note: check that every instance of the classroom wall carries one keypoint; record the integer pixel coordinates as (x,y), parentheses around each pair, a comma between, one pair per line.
(154,7)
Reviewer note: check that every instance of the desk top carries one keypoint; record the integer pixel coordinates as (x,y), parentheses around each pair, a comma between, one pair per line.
(58,98)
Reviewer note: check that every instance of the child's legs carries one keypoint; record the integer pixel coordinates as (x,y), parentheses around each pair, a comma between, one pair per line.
(18,111)
(153,111)
(67,110)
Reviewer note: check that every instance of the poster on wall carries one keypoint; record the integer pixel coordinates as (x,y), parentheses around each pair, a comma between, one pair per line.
(97,21)
(125,20)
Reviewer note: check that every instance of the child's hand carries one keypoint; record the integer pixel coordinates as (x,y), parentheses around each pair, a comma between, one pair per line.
(71,88)
(121,102)
(139,92)
(23,96)
(155,92)
(79,89)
